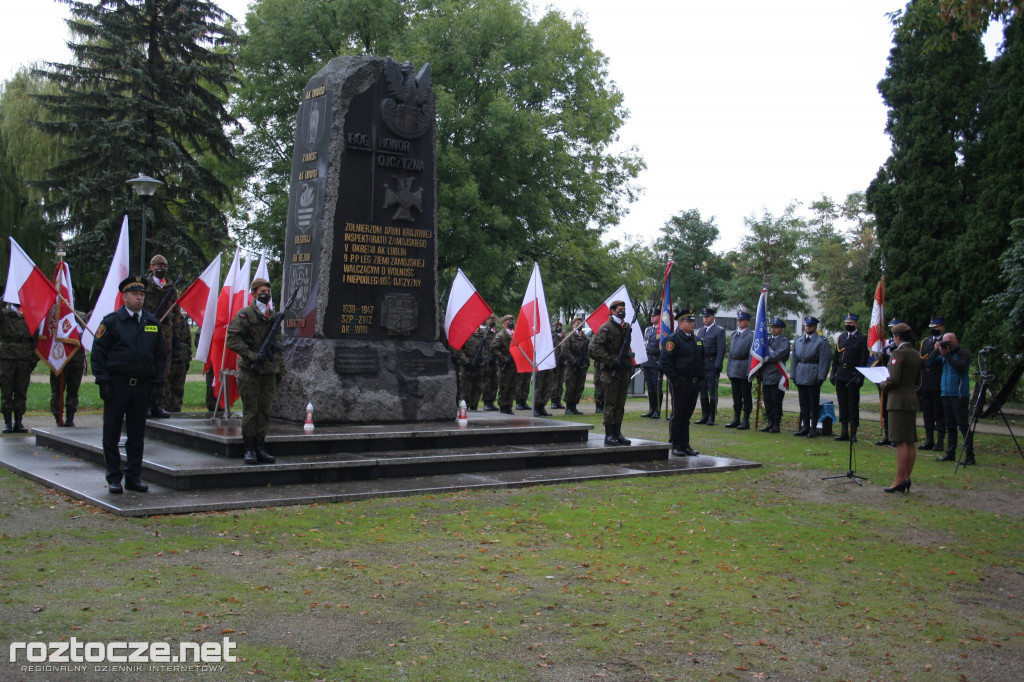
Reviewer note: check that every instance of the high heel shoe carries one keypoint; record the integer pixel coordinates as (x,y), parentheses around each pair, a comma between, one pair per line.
(901,487)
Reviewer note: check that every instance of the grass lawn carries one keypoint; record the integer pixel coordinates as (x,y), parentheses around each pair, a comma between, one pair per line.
(770,573)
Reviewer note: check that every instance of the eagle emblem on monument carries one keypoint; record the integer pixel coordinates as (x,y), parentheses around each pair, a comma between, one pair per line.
(409,110)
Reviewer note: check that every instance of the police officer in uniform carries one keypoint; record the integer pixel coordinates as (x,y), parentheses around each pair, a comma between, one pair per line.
(160,298)
(257,371)
(682,363)
(738,370)
(606,347)
(930,393)
(851,352)
(809,367)
(712,336)
(576,358)
(652,376)
(771,375)
(128,361)
(17,360)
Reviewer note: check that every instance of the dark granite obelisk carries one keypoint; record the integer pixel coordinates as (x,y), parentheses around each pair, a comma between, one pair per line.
(361,249)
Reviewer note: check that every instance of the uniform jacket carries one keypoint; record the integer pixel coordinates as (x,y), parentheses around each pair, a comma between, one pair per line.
(129,348)
(956,381)
(904,376)
(810,360)
(245,336)
(605,348)
(739,353)
(778,351)
(652,342)
(469,349)
(154,294)
(16,341)
(851,352)
(714,347)
(500,347)
(575,351)
(931,377)
(682,358)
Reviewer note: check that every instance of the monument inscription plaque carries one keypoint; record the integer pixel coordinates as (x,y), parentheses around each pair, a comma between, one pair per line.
(361,247)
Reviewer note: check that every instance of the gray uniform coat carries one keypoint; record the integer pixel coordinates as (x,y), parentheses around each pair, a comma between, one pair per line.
(739,354)
(811,360)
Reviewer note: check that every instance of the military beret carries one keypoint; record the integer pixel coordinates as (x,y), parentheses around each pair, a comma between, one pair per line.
(616,304)
(506,318)
(901,328)
(131,284)
(257,283)
(158,260)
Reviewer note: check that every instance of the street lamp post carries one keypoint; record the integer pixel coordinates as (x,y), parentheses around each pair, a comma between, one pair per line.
(145,187)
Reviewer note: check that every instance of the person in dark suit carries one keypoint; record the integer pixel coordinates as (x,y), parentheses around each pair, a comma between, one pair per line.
(930,393)
(682,363)
(902,404)
(851,352)
(771,375)
(712,336)
(737,371)
(129,357)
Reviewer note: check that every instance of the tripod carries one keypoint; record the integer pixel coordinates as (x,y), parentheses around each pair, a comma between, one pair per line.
(979,404)
(850,471)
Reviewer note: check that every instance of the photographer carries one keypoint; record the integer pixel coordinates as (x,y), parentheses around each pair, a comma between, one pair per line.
(956,391)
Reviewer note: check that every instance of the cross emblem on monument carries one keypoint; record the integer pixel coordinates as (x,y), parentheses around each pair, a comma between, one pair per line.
(404,197)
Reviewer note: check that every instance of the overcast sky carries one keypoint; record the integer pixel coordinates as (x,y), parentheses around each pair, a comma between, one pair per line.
(736,107)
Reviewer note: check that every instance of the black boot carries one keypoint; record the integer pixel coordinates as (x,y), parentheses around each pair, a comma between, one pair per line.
(489,406)
(539,411)
(609,435)
(570,409)
(969,460)
(262,455)
(618,435)
(804,430)
(929,442)
(745,424)
(767,428)
(7,423)
(250,451)
(598,408)
(950,455)
(813,431)
(521,405)
(735,420)
(844,434)
(69,419)
(557,405)
(505,410)
(18,426)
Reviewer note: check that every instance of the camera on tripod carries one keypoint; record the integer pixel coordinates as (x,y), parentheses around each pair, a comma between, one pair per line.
(986,350)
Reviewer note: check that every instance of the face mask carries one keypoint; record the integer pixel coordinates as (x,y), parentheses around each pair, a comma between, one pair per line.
(160,273)
(621,314)
(850,328)
(263,298)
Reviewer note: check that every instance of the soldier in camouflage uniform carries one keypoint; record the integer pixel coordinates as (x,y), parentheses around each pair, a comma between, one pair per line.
(181,356)
(557,337)
(474,358)
(501,351)
(160,297)
(575,361)
(616,366)
(17,360)
(256,384)
(74,369)
(491,378)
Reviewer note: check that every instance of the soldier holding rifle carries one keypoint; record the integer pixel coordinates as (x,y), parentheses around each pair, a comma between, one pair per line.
(611,347)
(577,362)
(252,334)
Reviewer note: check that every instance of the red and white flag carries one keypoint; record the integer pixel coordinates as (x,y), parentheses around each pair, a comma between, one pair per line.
(466,311)
(220,357)
(876,334)
(28,287)
(533,345)
(199,300)
(603,312)
(110,296)
(261,271)
(60,336)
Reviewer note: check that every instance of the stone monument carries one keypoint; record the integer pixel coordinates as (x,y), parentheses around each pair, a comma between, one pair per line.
(362,337)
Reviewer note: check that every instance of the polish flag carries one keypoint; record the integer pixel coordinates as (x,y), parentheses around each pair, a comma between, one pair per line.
(28,287)
(240,288)
(199,300)
(220,357)
(876,334)
(110,296)
(466,311)
(59,334)
(261,271)
(533,346)
(603,313)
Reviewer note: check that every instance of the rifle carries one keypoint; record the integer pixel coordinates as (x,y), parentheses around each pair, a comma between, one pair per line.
(474,364)
(620,359)
(267,347)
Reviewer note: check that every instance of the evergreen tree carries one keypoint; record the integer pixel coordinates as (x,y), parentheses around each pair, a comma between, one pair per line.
(145,93)
(919,197)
